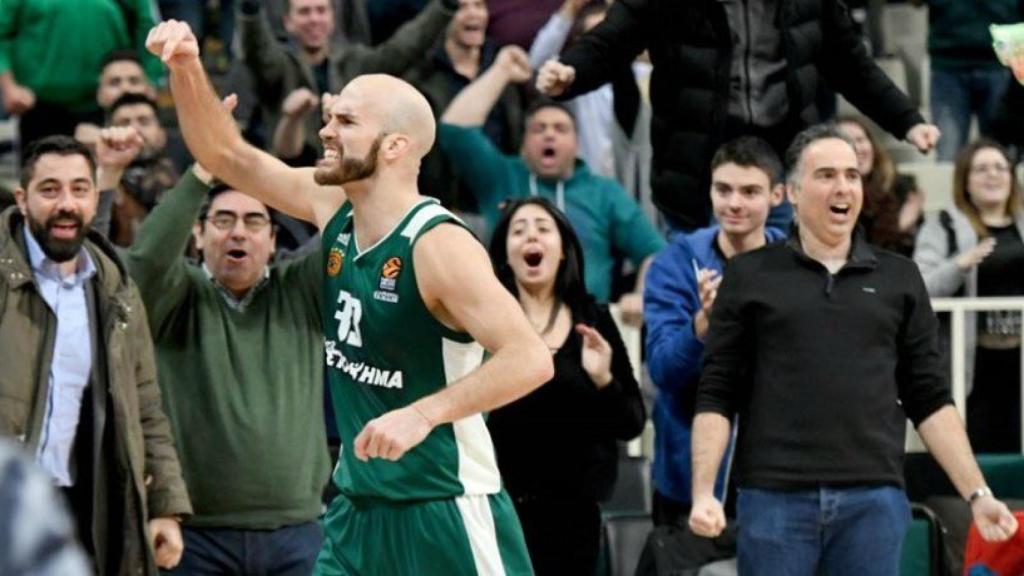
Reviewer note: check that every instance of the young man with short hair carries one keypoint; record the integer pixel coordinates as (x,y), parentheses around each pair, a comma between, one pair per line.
(746,182)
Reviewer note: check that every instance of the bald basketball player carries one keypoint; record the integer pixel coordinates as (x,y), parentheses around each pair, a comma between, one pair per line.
(411,306)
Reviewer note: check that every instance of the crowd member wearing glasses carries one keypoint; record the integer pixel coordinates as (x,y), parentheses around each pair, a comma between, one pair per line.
(239,352)
(977,250)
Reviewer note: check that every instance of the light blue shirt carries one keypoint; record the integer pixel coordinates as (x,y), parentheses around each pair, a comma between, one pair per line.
(72,357)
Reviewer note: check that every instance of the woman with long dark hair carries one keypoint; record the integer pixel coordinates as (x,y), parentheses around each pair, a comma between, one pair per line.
(889,221)
(557,447)
(978,250)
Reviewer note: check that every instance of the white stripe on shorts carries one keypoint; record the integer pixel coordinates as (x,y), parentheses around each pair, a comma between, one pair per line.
(483,539)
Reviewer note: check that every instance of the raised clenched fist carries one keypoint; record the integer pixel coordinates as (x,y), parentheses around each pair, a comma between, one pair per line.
(173,42)
(554,78)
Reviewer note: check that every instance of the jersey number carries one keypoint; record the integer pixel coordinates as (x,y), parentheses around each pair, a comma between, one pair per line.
(348,316)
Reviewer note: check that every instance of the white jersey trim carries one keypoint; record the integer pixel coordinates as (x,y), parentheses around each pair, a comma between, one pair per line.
(483,538)
(478,466)
(426,214)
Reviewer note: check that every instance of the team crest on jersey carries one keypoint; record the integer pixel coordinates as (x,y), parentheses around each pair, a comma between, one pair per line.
(334,261)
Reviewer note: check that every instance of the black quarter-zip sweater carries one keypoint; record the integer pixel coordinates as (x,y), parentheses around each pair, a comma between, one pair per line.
(822,369)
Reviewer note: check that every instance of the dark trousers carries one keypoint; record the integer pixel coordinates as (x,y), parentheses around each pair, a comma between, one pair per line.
(288,551)
(993,408)
(562,536)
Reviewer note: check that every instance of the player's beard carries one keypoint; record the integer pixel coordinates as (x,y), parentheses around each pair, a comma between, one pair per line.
(349,169)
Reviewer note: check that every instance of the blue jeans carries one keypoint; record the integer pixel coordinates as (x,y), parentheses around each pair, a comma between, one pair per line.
(956,95)
(288,551)
(835,531)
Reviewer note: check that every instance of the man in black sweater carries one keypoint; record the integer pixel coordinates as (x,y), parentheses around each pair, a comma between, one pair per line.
(824,346)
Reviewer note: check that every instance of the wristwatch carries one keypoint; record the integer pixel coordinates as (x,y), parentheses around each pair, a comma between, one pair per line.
(979,493)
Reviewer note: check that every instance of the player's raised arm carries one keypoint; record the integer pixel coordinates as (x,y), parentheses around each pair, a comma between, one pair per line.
(214,140)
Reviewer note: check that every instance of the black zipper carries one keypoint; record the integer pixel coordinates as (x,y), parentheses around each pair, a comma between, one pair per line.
(746,63)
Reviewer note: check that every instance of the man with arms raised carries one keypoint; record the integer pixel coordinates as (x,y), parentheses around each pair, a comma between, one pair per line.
(409,290)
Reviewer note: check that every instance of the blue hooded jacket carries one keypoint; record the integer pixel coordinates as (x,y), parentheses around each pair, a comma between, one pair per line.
(675,355)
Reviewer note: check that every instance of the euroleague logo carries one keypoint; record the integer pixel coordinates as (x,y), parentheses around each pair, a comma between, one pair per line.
(392,268)
(388,280)
(334,261)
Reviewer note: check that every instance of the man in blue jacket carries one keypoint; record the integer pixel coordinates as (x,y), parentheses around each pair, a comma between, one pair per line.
(746,182)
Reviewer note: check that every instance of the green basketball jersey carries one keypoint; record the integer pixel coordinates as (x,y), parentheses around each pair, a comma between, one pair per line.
(384,350)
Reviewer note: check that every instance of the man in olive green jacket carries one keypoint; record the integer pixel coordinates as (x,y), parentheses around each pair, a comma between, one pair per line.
(81,394)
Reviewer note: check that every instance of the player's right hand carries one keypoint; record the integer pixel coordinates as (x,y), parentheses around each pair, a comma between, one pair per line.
(555,78)
(18,99)
(707,517)
(391,435)
(299,102)
(173,42)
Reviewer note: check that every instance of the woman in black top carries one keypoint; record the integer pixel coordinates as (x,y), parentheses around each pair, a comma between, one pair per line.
(557,446)
(978,250)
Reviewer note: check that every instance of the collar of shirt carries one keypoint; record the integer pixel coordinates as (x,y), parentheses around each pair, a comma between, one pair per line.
(239,304)
(861,255)
(42,265)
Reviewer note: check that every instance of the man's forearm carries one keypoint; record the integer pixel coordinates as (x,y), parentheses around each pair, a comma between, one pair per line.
(289,136)
(943,433)
(511,373)
(710,439)
(472,105)
(209,130)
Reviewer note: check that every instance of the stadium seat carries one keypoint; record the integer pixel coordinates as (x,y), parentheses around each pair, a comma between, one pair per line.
(921,548)
(623,537)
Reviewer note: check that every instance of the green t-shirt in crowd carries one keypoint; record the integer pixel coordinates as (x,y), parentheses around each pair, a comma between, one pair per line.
(56,47)
(242,381)
(608,222)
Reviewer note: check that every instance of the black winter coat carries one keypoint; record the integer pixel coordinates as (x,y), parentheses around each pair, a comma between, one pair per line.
(690,45)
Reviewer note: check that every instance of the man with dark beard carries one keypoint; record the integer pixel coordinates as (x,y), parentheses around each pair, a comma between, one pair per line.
(410,306)
(79,386)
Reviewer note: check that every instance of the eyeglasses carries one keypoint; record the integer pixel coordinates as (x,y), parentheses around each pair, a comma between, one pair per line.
(254,221)
(986,168)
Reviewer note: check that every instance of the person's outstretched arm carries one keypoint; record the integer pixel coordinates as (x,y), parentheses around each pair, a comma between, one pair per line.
(215,141)
(594,58)
(471,106)
(408,45)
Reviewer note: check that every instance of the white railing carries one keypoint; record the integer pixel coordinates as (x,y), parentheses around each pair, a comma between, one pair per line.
(957,309)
